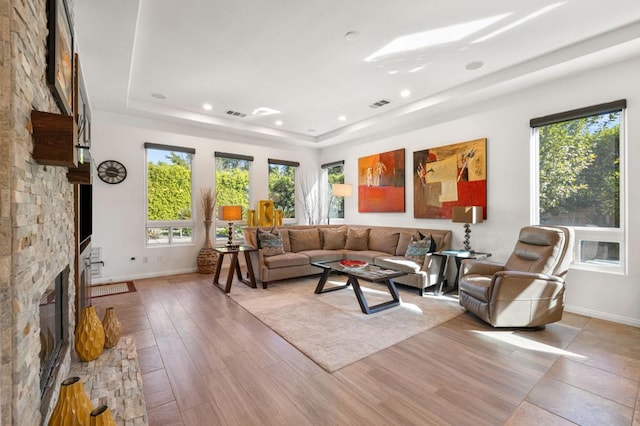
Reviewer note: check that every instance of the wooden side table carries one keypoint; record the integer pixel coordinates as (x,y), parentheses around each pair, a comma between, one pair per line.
(234,266)
(459,256)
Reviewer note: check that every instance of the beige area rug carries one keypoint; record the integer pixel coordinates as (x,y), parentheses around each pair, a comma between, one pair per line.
(330,328)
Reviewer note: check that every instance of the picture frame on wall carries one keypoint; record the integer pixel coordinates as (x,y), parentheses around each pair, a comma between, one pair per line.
(60,59)
(381,182)
(448,176)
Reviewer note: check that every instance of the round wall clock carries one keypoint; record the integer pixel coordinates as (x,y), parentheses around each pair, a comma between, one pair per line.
(112,171)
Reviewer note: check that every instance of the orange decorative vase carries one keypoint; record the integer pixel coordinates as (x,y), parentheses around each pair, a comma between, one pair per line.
(89,335)
(73,406)
(101,416)
(112,328)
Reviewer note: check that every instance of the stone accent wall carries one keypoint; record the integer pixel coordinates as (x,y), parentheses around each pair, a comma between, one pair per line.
(36,212)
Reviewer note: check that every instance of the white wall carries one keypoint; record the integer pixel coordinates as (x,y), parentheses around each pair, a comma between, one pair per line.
(505,123)
(119,209)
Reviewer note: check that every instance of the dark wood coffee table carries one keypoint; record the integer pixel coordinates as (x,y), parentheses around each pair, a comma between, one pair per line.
(370,273)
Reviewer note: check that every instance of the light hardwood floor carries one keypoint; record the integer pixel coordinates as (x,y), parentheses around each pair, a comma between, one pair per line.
(206,361)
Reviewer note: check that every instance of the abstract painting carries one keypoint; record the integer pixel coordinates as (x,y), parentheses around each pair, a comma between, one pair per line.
(381,182)
(447,176)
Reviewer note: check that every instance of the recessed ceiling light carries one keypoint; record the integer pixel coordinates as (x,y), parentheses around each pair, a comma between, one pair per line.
(474,65)
(405,93)
(159,96)
(278,122)
(207,107)
(342,118)
(351,35)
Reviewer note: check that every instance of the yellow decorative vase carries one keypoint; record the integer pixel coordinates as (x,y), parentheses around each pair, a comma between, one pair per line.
(101,416)
(112,328)
(89,335)
(73,406)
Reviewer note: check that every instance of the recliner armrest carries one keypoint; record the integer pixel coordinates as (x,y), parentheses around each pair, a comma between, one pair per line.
(479,267)
(519,285)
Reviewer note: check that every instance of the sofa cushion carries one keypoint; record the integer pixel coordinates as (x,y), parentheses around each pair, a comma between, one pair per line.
(285,240)
(383,240)
(357,239)
(419,248)
(323,255)
(286,260)
(270,242)
(333,239)
(304,239)
(403,242)
(399,263)
(365,255)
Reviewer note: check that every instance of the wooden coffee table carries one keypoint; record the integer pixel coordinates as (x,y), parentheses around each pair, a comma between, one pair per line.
(369,273)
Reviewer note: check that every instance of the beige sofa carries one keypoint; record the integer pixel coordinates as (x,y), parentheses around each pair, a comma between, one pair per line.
(382,246)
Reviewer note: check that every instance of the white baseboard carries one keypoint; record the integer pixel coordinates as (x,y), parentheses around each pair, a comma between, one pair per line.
(122,278)
(602,315)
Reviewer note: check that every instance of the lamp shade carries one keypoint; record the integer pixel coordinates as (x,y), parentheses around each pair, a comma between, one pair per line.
(341,190)
(469,214)
(230,213)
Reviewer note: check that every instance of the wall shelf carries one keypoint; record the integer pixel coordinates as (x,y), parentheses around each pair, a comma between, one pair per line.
(54,139)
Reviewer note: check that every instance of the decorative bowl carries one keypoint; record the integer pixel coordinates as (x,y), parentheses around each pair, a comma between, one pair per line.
(353,264)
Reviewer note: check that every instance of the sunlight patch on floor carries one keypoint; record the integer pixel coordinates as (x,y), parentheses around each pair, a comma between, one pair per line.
(528,344)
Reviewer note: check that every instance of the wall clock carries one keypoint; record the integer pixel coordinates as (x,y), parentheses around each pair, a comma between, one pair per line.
(112,171)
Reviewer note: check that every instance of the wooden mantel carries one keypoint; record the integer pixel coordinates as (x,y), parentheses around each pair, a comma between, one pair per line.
(54,139)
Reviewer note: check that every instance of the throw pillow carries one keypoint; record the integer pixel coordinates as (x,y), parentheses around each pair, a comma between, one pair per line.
(419,248)
(357,239)
(334,239)
(304,239)
(270,242)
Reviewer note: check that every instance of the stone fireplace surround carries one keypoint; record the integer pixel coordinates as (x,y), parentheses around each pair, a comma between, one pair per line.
(37,238)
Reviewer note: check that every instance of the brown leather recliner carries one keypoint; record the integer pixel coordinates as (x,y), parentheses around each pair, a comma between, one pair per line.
(526,291)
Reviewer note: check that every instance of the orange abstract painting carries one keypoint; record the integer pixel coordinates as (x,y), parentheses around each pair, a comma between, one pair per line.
(447,176)
(381,182)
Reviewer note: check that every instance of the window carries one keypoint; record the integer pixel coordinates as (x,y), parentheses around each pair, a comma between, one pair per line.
(282,186)
(232,186)
(580,181)
(169,195)
(334,173)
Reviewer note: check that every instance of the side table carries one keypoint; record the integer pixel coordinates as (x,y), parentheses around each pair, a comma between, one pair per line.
(459,256)
(234,266)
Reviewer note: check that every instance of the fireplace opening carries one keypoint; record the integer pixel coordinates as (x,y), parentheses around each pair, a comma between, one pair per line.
(54,329)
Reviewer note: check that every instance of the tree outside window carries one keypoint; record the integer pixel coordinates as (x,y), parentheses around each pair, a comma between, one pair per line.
(282,187)
(232,185)
(169,195)
(579,183)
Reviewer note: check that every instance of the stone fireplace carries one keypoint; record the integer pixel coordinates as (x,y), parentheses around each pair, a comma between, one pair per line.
(54,334)
(37,227)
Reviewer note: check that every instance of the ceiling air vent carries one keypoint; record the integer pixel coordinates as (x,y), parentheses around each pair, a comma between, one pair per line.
(380,103)
(236,114)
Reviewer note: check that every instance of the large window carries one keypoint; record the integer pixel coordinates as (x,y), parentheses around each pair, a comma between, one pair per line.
(232,186)
(580,180)
(169,195)
(333,173)
(282,186)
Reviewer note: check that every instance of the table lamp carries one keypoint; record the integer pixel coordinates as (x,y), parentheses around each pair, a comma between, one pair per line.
(467,215)
(338,190)
(230,214)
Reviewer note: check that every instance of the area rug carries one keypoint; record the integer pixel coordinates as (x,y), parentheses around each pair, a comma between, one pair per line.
(330,328)
(110,289)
